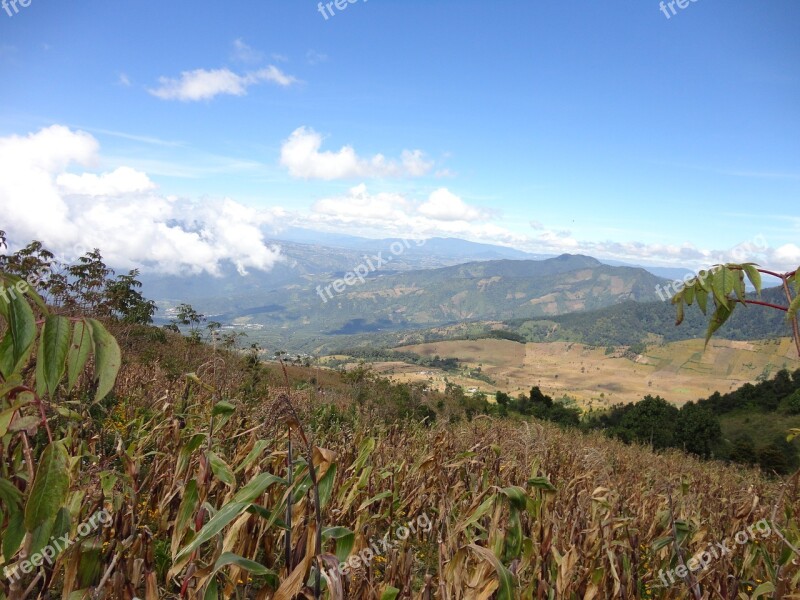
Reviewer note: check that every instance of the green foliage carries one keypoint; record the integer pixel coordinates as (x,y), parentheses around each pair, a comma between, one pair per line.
(87,287)
(725,285)
(793,403)
(39,430)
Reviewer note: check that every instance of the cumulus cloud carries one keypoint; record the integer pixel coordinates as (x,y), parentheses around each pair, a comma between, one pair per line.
(119,212)
(443,205)
(384,213)
(123,180)
(203,84)
(301,154)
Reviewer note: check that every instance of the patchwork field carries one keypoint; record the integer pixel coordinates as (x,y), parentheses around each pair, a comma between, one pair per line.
(679,371)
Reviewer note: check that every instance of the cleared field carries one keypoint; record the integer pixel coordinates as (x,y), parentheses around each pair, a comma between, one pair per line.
(680,371)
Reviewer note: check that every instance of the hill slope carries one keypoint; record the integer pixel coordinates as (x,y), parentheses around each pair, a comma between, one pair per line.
(489,290)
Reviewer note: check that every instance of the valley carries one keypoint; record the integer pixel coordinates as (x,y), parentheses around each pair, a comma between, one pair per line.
(678,371)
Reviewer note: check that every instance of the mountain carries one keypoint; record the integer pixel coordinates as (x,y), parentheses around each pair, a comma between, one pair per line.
(309,255)
(443,249)
(629,323)
(298,313)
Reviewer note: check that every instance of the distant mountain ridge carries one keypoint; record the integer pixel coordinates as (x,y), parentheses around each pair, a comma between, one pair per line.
(392,301)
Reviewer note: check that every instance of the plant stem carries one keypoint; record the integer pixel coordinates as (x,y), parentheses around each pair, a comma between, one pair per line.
(795,327)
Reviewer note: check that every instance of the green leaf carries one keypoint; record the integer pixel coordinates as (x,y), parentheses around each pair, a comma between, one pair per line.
(18,341)
(256,452)
(51,360)
(345,540)
(228,558)
(702,280)
(754,276)
(243,498)
(688,295)
(221,469)
(325,486)
(62,526)
(50,487)
(13,535)
(374,499)
(390,593)
(794,307)
(719,317)
(108,479)
(506,579)
(222,408)
(41,534)
(8,414)
(679,318)
(738,284)
(79,349)
(9,494)
(516,495)
(25,423)
(701,295)
(542,483)
(718,284)
(762,590)
(107,358)
(364,452)
(185,453)
(212,593)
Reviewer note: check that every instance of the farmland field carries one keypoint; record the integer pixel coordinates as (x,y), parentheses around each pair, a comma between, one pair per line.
(678,371)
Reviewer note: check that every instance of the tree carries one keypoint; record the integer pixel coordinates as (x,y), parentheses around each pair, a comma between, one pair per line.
(188,317)
(125,302)
(744,450)
(538,398)
(651,421)
(698,430)
(779,457)
(793,403)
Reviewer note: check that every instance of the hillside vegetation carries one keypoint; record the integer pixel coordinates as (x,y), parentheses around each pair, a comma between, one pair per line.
(214,475)
(312,314)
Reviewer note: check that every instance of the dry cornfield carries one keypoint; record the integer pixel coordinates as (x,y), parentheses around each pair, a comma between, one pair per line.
(195,475)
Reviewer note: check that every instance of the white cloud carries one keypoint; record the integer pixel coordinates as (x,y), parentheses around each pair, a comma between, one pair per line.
(443,205)
(301,155)
(203,84)
(360,206)
(314,58)
(244,53)
(123,180)
(124,80)
(384,213)
(119,212)
(788,256)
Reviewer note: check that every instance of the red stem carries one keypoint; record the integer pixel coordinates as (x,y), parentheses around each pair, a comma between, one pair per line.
(38,401)
(762,303)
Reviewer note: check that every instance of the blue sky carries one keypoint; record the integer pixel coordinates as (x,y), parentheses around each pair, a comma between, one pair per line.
(597,127)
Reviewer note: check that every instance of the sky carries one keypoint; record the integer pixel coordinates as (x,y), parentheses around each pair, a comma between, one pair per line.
(182,135)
